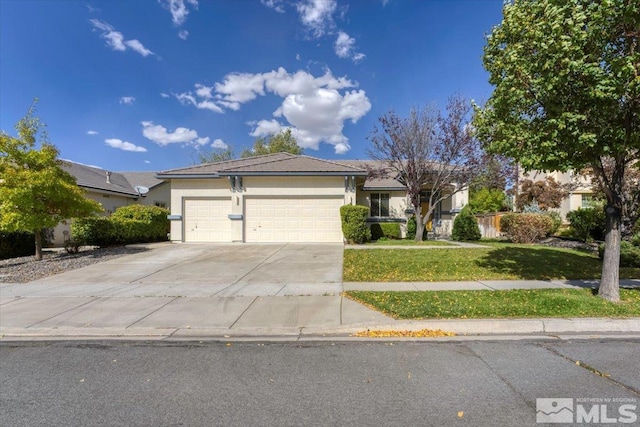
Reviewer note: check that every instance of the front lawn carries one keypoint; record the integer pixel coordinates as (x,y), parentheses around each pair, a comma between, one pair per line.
(405,242)
(499,304)
(500,261)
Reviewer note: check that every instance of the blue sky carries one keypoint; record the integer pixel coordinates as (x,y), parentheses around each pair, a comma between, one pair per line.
(144,85)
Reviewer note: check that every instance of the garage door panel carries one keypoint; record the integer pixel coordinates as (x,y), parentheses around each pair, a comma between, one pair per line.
(293,219)
(207,220)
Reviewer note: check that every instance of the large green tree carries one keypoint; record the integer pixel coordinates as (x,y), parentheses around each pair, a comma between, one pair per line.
(567,96)
(35,192)
(283,142)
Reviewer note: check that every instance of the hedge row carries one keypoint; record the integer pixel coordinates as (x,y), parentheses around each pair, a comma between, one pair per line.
(629,252)
(588,224)
(16,244)
(526,227)
(389,230)
(128,224)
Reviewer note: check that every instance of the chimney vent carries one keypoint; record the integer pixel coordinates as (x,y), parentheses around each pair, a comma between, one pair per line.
(108,177)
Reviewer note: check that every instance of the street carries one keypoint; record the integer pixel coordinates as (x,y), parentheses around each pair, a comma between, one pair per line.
(475,383)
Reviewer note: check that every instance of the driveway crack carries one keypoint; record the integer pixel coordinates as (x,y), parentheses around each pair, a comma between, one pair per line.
(243,312)
(253,269)
(154,311)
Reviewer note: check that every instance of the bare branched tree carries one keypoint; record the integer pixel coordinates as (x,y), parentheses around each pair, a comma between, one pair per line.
(428,152)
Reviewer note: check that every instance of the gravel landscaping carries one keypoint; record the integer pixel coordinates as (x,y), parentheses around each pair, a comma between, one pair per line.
(26,269)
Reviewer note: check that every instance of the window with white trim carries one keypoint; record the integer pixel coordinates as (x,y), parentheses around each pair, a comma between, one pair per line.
(379,204)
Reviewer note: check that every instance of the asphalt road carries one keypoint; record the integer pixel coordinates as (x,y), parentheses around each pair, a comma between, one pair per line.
(474,383)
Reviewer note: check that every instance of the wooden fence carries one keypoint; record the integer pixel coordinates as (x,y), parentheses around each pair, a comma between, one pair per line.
(490,224)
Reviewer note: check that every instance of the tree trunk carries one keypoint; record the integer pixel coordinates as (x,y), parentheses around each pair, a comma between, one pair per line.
(419,228)
(38,235)
(610,280)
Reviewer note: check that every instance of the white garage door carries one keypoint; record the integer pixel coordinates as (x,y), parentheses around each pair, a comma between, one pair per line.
(293,219)
(206,220)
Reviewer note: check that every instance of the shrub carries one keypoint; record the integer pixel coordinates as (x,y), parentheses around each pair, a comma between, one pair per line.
(16,244)
(465,226)
(556,222)
(389,230)
(354,223)
(154,216)
(487,200)
(629,254)
(94,231)
(411,228)
(526,227)
(588,224)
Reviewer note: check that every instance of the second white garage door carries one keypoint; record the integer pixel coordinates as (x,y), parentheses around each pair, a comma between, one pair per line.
(207,220)
(293,219)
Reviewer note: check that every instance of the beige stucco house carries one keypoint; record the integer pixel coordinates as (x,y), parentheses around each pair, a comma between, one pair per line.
(580,195)
(113,190)
(282,198)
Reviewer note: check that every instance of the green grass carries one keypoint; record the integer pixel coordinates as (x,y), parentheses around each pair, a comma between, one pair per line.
(500,261)
(499,304)
(404,242)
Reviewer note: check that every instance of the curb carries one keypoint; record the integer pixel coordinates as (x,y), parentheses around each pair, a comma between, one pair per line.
(464,329)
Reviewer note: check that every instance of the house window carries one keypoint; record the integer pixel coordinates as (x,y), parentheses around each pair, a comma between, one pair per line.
(587,201)
(379,204)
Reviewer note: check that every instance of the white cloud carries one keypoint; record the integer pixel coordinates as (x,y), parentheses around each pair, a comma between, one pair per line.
(266,127)
(314,108)
(138,47)
(317,15)
(344,45)
(164,95)
(92,132)
(357,57)
(147,162)
(274,4)
(183,34)
(240,87)
(161,136)
(203,91)
(179,9)
(124,145)
(115,39)
(218,143)
(297,57)
(128,100)
(187,98)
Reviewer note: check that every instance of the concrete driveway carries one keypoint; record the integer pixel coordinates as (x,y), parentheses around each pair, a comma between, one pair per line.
(193,270)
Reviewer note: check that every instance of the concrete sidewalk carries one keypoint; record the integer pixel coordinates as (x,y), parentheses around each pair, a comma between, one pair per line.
(48,315)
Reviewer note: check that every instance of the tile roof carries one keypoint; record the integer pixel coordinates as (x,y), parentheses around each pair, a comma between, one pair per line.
(94,178)
(387,183)
(270,164)
(146,179)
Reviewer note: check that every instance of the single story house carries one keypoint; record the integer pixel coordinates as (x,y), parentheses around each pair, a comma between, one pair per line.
(282,198)
(113,190)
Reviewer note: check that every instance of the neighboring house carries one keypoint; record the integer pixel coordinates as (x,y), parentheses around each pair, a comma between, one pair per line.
(580,195)
(279,198)
(113,190)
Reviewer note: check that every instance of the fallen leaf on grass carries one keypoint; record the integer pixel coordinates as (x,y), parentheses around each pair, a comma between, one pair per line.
(422,333)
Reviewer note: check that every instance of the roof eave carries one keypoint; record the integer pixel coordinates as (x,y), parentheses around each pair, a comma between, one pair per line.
(384,188)
(343,173)
(187,175)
